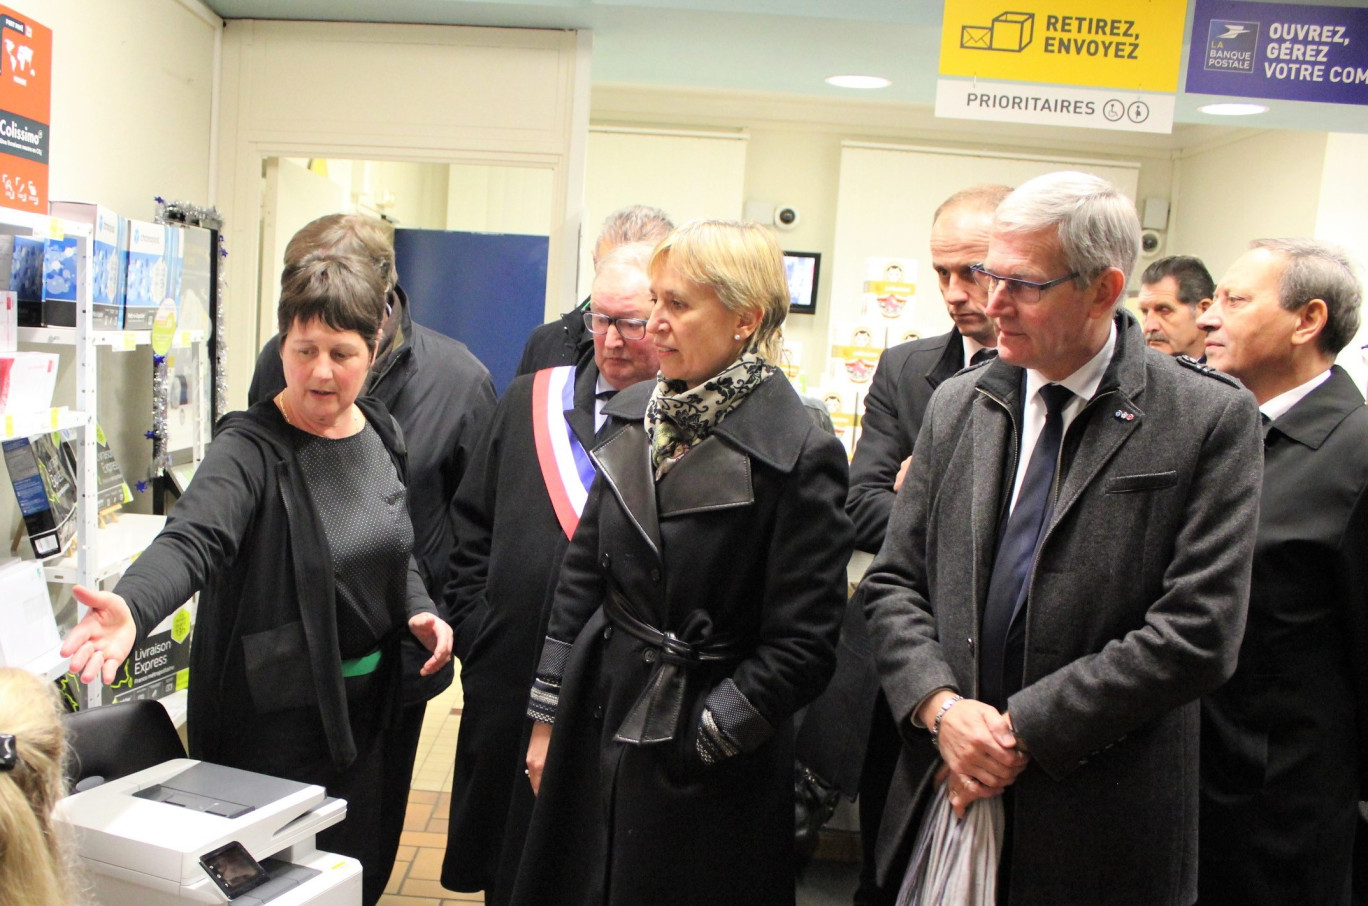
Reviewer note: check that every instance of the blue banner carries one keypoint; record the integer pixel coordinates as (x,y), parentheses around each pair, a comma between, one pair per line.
(1274,50)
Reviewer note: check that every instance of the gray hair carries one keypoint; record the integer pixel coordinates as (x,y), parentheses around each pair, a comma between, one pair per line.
(1096,225)
(1189,275)
(1319,270)
(985,196)
(637,223)
(632,256)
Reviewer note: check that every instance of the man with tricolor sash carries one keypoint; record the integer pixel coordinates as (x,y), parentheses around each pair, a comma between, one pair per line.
(514,513)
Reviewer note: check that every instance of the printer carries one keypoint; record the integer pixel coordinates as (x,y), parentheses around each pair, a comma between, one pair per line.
(187,831)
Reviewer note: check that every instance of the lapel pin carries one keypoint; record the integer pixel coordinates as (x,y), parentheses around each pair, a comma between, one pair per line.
(1124,415)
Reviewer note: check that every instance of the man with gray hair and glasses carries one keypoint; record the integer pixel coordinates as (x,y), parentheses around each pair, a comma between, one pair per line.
(1285,742)
(1066,571)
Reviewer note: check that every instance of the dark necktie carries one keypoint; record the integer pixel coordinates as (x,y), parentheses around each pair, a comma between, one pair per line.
(999,668)
(603,396)
(982,355)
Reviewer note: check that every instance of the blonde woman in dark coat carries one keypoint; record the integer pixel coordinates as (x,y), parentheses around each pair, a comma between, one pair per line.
(698,608)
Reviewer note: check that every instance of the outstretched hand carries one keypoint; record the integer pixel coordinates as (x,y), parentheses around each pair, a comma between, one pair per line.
(101,641)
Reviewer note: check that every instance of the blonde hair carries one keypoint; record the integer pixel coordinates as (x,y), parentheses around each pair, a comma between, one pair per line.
(740,262)
(34,866)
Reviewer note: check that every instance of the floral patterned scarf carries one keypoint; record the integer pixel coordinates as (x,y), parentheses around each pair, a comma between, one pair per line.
(677,419)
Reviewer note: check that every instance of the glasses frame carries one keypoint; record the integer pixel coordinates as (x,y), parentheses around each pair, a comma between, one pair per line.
(589,317)
(1015,285)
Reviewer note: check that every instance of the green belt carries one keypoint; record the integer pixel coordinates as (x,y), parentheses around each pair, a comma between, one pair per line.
(360,666)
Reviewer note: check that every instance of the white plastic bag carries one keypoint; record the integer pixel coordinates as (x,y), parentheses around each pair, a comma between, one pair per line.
(955,861)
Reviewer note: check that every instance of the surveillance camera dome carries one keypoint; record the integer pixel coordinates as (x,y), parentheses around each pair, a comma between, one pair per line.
(785,217)
(1150,243)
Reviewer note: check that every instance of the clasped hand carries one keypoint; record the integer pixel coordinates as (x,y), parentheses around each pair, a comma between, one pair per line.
(981,753)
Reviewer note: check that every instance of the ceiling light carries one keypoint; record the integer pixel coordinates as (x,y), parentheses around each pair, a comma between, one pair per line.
(858,81)
(1233,109)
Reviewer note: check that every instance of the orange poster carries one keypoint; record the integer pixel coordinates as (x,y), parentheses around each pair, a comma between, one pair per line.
(25,105)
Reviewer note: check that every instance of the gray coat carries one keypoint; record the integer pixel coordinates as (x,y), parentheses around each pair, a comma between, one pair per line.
(1136,607)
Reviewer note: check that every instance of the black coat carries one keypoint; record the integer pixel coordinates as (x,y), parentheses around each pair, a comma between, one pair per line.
(564,341)
(897,398)
(745,535)
(265,659)
(502,576)
(442,397)
(1285,742)
(835,732)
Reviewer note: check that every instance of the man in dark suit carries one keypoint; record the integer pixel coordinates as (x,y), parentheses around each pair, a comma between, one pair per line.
(1066,571)
(515,513)
(848,736)
(909,372)
(1174,291)
(565,341)
(1285,742)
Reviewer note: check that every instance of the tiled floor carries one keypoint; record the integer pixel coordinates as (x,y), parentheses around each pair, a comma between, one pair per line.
(419,863)
(418,867)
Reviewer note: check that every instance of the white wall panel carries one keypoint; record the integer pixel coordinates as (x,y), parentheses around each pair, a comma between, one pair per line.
(399,93)
(686,174)
(888,195)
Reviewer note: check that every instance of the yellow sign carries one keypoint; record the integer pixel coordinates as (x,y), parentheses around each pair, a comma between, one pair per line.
(1102,43)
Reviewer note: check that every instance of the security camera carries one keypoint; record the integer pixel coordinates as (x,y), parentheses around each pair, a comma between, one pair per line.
(1150,243)
(785,217)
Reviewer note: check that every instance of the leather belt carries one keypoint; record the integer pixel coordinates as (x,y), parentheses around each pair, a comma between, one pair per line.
(654,717)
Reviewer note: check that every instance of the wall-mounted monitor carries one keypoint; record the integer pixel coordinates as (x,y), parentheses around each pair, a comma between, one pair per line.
(801,269)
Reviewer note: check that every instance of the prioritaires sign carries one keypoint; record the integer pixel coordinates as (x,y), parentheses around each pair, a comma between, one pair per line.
(1274,50)
(1120,61)
(25,104)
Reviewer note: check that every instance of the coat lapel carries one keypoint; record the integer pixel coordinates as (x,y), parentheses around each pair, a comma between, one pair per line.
(624,461)
(1109,419)
(581,416)
(950,363)
(994,433)
(712,476)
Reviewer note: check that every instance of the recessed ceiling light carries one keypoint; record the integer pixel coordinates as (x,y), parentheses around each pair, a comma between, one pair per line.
(1233,109)
(858,81)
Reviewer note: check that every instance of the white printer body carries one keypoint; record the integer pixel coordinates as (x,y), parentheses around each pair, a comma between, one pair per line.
(141,837)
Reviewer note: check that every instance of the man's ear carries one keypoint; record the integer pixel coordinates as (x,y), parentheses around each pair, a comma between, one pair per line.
(1203,305)
(1110,285)
(1311,321)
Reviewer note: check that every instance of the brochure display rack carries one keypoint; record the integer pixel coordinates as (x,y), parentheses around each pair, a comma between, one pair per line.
(100,550)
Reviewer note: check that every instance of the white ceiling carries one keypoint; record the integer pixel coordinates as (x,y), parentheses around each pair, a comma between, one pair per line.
(774,46)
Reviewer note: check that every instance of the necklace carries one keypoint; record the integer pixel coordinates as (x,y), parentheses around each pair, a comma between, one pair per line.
(356,419)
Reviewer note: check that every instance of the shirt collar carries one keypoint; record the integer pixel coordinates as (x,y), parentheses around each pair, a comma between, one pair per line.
(971,346)
(1085,380)
(1277,407)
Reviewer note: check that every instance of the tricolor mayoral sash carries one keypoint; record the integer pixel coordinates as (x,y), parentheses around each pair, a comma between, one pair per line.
(565,465)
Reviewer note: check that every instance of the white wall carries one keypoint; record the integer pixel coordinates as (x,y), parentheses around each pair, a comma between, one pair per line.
(793,156)
(484,199)
(428,94)
(1341,219)
(132,105)
(1259,185)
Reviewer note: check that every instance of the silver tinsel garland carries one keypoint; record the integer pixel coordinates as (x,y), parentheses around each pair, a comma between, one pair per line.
(184,214)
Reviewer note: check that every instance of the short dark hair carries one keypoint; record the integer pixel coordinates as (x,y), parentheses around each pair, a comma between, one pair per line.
(1319,270)
(1190,274)
(343,291)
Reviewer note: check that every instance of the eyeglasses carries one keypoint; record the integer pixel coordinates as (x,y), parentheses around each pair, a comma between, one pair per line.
(627,328)
(1023,292)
